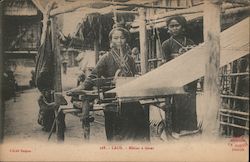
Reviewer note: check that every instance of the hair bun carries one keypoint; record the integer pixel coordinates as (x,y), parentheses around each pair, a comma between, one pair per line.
(119,25)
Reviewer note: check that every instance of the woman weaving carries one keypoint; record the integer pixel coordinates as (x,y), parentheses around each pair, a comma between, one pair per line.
(131,123)
(184,113)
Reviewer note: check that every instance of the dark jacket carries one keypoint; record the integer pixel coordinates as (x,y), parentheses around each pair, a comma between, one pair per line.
(107,67)
(175,46)
(184,111)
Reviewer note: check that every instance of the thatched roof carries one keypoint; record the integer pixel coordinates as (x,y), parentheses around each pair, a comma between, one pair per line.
(20,8)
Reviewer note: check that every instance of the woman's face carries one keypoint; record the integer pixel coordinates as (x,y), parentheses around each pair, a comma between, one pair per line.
(118,39)
(174,27)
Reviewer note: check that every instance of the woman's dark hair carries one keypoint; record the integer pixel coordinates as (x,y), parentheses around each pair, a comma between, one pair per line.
(120,28)
(180,19)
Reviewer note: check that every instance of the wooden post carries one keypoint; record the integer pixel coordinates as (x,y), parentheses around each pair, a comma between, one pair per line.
(158,51)
(144,53)
(147,131)
(1,72)
(211,84)
(143,41)
(85,117)
(96,48)
(55,23)
(168,117)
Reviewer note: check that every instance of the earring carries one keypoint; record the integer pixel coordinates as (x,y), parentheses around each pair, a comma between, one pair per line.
(111,45)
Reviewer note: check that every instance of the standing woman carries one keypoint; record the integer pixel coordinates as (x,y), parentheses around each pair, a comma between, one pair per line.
(131,123)
(184,111)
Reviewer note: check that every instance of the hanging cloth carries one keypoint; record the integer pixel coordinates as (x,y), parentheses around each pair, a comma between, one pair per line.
(44,64)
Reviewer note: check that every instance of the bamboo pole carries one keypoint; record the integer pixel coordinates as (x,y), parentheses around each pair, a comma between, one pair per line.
(143,41)
(1,72)
(211,84)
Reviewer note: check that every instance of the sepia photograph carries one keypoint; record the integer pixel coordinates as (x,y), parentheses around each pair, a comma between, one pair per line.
(124,80)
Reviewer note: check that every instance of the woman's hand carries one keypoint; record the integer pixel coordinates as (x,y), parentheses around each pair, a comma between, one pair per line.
(74,91)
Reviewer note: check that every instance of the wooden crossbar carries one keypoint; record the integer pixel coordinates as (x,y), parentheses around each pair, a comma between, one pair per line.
(233,116)
(234,125)
(235,97)
(234,112)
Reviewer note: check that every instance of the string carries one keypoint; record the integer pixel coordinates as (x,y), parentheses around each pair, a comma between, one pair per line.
(185,42)
(122,64)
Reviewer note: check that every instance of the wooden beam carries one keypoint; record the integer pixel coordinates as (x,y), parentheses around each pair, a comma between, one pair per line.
(235,97)
(128,12)
(143,40)
(212,30)
(234,125)
(69,8)
(236,10)
(1,72)
(228,110)
(168,122)
(55,23)
(161,22)
(234,116)
(227,11)
(159,52)
(85,117)
(38,5)
(197,11)
(80,4)
(236,74)
(245,2)
(145,6)
(190,10)
(96,49)
(20,52)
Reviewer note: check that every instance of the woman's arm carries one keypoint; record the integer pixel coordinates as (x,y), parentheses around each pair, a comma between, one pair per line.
(166,51)
(97,72)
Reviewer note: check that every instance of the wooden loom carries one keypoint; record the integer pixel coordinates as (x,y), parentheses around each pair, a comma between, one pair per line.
(149,90)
